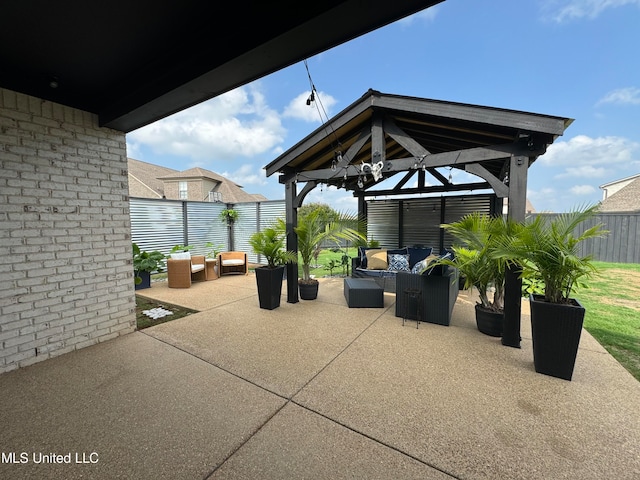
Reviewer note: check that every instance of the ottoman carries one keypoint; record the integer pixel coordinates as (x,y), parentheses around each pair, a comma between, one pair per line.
(363,293)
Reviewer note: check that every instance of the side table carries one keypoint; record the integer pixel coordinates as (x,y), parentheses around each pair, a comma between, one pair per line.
(211,263)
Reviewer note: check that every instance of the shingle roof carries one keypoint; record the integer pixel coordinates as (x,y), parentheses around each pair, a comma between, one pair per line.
(144,179)
(626,199)
(147,180)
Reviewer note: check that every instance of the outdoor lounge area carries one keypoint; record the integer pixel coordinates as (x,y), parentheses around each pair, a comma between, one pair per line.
(318,390)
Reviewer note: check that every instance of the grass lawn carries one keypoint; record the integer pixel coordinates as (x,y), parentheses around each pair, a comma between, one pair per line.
(612,316)
(144,321)
(324,260)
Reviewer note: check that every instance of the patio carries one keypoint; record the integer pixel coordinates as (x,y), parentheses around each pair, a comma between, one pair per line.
(317,390)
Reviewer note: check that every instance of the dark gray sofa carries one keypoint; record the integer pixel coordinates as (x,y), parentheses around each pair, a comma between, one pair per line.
(439,291)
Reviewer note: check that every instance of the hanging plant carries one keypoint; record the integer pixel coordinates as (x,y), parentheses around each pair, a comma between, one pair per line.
(229,215)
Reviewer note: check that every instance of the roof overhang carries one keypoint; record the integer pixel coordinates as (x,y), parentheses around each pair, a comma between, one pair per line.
(133,63)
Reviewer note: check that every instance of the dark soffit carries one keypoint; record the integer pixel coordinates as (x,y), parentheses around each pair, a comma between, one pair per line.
(135,62)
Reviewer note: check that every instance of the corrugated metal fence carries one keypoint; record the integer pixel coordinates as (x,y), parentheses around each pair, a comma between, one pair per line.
(396,223)
(621,245)
(161,224)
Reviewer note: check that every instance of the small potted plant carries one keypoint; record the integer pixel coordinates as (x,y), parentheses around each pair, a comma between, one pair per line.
(312,232)
(143,264)
(548,250)
(480,235)
(228,216)
(270,244)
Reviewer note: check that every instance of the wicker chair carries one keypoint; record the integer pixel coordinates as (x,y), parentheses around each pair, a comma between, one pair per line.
(232,262)
(183,268)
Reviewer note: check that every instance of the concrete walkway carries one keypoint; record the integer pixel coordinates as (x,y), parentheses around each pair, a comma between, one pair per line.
(316,390)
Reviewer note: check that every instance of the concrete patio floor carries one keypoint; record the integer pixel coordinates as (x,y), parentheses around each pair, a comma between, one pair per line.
(319,391)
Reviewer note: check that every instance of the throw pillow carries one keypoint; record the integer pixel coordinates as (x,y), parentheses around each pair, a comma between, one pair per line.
(398,263)
(362,253)
(423,264)
(181,256)
(418,253)
(377,261)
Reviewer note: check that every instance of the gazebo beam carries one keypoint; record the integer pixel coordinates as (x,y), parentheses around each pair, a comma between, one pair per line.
(445,159)
(432,189)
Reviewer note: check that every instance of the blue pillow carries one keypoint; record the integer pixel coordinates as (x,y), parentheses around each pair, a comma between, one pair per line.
(397,251)
(398,263)
(418,253)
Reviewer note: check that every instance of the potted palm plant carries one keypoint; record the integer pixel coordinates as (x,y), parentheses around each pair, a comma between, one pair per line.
(270,244)
(479,235)
(313,231)
(548,249)
(143,264)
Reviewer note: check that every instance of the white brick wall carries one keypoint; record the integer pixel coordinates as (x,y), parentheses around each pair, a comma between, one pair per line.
(66,279)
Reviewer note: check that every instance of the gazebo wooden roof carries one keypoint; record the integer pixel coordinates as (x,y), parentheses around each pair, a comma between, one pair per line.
(399,136)
(414,136)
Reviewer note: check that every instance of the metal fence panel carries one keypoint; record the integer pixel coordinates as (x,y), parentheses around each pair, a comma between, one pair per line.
(382,222)
(156,224)
(204,225)
(416,221)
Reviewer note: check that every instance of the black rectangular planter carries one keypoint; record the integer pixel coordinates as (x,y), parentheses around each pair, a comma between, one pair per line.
(269,281)
(556,330)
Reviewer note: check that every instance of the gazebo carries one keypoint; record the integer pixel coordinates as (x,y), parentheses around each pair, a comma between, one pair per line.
(383,135)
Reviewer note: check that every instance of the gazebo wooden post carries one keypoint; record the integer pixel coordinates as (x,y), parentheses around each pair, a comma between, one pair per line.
(291,213)
(518,167)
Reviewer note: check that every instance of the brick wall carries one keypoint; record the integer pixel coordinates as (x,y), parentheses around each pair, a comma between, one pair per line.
(65,248)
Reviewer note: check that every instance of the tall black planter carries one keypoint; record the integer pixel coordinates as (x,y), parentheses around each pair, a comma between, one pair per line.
(489,322)
(309,291)
(145,280)
(269,282)
(556,330)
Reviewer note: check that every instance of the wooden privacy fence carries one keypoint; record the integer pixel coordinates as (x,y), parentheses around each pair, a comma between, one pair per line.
(621,245)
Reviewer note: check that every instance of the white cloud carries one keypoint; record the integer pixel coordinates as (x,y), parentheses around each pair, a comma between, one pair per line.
(622,96)
(583,189)
(586,156)
(338,199)
(247,175)
(428,15)
(567,10)
(319,111)
(583,171)
(236,124)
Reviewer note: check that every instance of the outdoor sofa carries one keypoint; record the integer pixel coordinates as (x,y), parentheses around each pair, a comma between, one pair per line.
(438,285)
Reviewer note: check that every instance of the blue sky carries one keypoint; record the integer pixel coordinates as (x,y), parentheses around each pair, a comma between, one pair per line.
(570,58)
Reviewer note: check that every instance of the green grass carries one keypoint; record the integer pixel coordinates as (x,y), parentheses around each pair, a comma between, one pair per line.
(143,303)
(612,304)
(325,258)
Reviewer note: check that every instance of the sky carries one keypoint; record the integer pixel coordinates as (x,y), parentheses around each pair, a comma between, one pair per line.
(568,58)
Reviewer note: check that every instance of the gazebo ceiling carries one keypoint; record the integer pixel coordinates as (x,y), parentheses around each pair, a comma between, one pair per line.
(135,62)
(416,135)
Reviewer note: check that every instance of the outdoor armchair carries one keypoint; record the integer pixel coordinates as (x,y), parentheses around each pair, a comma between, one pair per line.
(183,268)
(232,262)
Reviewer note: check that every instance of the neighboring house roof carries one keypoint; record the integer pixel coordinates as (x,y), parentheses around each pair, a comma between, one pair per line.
(604,186)
(627,199)
(147,180)
(144,179)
